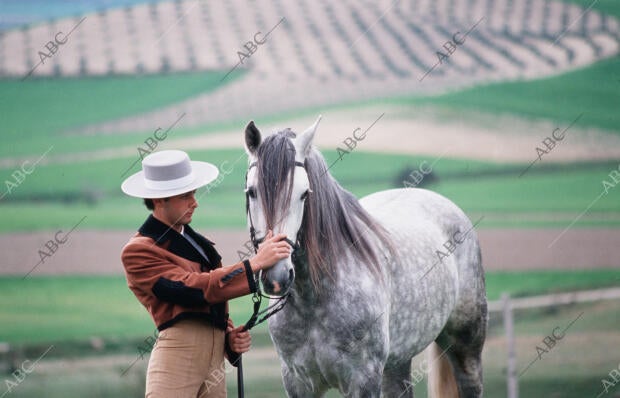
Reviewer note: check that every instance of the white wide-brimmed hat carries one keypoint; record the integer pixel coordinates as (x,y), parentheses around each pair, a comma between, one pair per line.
(168,173)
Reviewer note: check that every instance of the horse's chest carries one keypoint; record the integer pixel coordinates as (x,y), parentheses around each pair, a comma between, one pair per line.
(322,355)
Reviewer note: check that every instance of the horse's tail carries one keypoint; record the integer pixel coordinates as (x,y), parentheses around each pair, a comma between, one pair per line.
(441,381)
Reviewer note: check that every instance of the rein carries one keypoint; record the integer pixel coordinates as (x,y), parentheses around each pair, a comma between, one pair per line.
(257,318)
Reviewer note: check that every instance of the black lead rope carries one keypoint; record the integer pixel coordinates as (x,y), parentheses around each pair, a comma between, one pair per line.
(257,318)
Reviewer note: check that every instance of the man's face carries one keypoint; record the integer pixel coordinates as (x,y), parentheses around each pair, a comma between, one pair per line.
(176,210)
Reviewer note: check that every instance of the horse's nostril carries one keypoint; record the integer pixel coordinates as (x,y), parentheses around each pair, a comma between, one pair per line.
(267,284)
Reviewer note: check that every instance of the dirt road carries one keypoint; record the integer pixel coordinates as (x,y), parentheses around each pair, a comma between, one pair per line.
(97,252)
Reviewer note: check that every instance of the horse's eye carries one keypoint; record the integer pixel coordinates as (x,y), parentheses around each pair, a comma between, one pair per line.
(251,192)
(305,195)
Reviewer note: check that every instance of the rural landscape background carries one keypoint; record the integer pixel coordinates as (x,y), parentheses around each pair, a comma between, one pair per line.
(510,108)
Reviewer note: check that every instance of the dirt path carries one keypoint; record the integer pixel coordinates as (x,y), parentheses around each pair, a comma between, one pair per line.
(97,252)
(401,130)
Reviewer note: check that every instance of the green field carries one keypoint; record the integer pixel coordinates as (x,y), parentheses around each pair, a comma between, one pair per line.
(56,196)
(47,309)
(593,91)
(37,115)
(68,311)
(553,98)
(609,7)
(53,195)
(37,111)
(72,312)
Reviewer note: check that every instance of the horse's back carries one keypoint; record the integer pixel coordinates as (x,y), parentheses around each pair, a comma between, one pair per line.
(438,263)
(425,216)
(421,205)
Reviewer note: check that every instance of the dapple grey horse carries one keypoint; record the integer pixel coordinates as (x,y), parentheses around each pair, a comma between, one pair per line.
(370,283)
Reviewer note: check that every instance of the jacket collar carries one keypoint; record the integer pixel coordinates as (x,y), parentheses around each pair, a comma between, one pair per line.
(168,238)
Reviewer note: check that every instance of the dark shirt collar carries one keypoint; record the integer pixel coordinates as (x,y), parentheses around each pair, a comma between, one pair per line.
(168,238)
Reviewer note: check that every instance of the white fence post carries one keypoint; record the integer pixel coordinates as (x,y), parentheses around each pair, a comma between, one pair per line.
(513,385)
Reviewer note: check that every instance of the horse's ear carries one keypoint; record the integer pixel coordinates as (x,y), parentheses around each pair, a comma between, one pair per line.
(304,141)
(252,138)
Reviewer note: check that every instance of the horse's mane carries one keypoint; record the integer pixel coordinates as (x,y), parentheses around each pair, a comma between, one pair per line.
(334,222)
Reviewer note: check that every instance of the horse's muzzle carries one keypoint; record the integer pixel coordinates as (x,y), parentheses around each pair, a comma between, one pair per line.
(278,279)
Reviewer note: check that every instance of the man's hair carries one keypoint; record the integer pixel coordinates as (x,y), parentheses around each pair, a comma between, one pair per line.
(150,204)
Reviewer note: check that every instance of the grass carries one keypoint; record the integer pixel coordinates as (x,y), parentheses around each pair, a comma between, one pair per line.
(568,371)
(37,112)
(609,7)
(529,283)
(52,196)
(573,368)
(64,104)
(47,309)
(40,309)
(593,91)
(55,196)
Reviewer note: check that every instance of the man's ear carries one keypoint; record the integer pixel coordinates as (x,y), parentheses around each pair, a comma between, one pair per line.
(252,138)
(159,202)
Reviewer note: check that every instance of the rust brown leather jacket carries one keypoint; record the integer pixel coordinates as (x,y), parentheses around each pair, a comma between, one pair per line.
(174,281)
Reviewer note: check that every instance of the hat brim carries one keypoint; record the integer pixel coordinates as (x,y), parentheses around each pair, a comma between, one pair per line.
(204,173)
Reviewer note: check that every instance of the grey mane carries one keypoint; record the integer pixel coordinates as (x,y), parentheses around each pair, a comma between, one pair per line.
(333,217)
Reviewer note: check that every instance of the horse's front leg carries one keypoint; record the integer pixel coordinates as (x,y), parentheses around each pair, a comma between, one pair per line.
(365,386)
(298,384)
(361,378)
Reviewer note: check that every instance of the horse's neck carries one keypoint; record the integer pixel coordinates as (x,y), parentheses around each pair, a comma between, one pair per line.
(305,291)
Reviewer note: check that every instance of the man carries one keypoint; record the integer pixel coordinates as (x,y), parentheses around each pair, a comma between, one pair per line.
(177,274)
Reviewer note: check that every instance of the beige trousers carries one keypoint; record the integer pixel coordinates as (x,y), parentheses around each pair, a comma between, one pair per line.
(187,362)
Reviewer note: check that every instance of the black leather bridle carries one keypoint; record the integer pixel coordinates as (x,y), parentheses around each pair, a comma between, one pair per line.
(259,316)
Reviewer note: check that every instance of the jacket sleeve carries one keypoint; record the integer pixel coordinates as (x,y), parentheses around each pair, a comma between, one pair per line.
(150,271)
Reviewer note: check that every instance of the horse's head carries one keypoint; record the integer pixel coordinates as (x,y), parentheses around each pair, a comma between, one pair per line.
(277,186)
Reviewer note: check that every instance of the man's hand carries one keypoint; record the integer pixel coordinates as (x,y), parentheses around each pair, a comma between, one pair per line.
(272,250)
(238,340)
